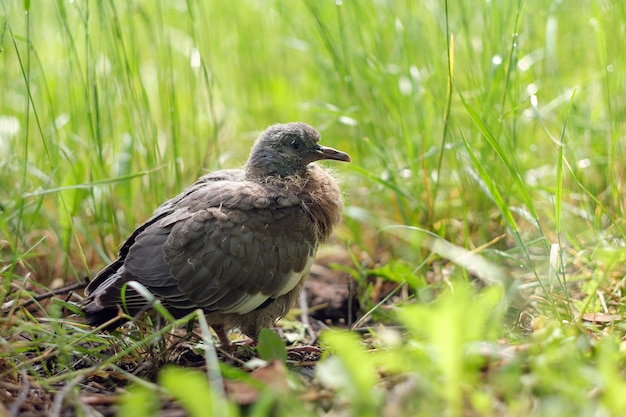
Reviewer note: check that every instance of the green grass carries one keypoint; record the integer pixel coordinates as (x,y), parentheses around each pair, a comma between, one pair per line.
(488,147)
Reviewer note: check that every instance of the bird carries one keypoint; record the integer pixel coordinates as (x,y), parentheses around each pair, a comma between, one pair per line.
(237,244)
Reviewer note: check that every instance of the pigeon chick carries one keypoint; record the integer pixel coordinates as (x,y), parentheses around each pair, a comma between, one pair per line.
(237,244)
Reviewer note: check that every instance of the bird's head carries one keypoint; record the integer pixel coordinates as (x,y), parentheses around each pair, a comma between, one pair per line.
(286,149)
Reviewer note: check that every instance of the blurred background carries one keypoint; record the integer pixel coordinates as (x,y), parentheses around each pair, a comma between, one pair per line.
(498,126)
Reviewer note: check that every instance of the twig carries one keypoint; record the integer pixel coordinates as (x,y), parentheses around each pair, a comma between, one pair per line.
(63,290)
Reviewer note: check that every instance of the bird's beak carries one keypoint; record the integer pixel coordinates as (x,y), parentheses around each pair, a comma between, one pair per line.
(324,152)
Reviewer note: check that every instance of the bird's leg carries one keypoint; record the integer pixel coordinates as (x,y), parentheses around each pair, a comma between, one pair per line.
(304,316)
(222,336)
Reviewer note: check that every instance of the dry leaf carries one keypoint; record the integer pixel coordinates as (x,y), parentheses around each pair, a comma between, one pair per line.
(273,376)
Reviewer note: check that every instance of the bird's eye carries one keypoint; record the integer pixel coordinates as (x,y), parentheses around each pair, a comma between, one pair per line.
(296,144)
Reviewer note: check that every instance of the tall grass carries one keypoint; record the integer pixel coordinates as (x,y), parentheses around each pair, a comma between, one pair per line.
(496,126)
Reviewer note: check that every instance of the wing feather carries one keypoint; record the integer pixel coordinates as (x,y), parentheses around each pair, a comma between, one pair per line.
(223,244)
